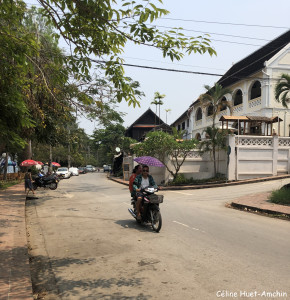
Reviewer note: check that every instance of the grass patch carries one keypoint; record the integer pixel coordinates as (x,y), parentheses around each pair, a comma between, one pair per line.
(281,196)
(4,184)
(181,180)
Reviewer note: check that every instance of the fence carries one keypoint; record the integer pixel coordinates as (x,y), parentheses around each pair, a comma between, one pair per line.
(258,156)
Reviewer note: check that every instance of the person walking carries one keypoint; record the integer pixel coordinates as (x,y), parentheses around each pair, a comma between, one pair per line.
(28,182)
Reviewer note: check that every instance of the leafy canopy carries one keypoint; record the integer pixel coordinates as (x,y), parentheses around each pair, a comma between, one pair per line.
(97,32)
(168,148)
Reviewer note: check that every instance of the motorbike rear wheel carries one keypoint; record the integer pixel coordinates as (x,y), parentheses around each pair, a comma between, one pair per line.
(53,186)
(156,220)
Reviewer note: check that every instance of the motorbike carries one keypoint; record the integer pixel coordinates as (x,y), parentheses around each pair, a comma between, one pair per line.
(50,181)
(150,211)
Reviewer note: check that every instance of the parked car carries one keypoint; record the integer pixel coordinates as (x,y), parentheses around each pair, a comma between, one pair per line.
(63,172)
(107,168)
(82,170)
(90,168)
(74,171)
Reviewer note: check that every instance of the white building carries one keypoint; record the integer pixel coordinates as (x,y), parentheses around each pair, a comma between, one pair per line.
(252,81)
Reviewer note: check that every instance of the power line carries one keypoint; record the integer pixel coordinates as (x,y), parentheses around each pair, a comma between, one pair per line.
(215,33)
(161,69)
(162,62)
(188,72)
(204,32)
(227,23)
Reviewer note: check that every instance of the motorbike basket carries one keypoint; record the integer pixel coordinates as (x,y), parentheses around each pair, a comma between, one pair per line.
(156,198)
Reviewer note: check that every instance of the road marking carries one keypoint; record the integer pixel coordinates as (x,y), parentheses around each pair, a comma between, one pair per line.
(180,224)
(126,203)
(182,193)
(188,226)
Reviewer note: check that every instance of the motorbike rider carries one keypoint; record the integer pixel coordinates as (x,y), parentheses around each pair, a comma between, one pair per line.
(136,171)
(142,181)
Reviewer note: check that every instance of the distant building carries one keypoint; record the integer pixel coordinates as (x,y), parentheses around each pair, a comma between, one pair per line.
(252,81)
(183,123)
(145,123)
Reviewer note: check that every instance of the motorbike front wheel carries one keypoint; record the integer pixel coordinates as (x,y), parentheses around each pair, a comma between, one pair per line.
(156,220)
(34,186)
(53,186)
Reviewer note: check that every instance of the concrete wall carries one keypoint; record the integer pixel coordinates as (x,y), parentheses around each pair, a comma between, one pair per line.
(258,156)
(250,157)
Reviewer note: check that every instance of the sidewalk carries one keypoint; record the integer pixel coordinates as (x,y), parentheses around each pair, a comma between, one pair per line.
(259,203)
(15,282)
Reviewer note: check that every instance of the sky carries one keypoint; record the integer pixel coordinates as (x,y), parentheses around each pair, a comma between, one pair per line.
(232,43)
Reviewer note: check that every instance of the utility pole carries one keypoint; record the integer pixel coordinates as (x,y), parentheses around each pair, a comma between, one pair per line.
(68,157)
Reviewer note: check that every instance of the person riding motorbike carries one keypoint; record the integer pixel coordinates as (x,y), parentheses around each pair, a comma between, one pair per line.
(142,181)
(136,171)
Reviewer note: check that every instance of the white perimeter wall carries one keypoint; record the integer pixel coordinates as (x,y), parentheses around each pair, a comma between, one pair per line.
(250,157)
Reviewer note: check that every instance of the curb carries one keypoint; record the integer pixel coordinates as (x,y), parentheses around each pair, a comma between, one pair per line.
(207,186)
(254,209)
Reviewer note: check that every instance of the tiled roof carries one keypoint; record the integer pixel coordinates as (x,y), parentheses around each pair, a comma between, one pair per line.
(255,61)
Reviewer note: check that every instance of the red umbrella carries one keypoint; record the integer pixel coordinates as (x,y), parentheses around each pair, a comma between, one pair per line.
(55,164)
(39,163)
(28,163)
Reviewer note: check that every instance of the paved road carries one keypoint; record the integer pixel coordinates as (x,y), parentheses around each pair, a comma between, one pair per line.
(85,245)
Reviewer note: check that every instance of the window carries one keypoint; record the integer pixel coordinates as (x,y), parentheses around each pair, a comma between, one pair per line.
(224,107)
(198,115)
(198,136)
(178,128)
(238,98)
(210,110)
(183,125)
(255,90)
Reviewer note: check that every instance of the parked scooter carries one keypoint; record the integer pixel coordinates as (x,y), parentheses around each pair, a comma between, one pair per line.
(150,211)
(50,181)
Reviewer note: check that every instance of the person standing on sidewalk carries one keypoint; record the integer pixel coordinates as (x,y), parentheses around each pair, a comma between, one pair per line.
(28,183)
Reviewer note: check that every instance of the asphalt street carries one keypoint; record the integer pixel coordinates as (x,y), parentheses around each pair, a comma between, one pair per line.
(84,244)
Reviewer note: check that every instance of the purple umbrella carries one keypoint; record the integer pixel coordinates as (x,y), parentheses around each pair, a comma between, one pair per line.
(149,161)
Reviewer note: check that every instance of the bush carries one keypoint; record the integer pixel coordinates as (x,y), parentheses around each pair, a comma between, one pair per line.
(281,196)
(181,180)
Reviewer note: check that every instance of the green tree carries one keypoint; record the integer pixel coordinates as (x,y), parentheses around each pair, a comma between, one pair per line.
(107,139)
(166,148)
(158,101)
(103,28)
(13,69)
(167,111)
(215,141)
(214,100)
(282,90)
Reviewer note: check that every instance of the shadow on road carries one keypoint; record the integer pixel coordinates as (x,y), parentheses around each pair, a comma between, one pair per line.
(132,224)
(45,282)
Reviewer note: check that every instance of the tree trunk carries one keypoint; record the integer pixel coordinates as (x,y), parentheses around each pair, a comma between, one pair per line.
(50,159)
(6,166)
(214,160)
